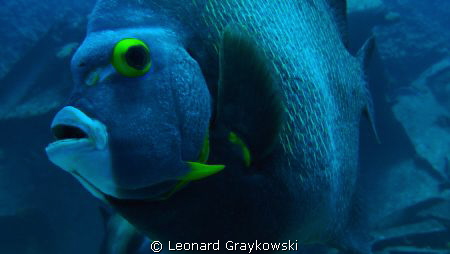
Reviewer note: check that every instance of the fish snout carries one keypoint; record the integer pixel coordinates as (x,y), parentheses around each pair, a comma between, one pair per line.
(71,124)
(81,148)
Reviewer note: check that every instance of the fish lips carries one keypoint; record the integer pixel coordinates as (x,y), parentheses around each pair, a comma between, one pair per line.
(81,148)
(71,126)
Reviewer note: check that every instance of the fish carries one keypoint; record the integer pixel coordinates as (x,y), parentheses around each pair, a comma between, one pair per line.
(203,121)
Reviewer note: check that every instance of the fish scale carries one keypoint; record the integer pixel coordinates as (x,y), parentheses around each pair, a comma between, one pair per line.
(316,121)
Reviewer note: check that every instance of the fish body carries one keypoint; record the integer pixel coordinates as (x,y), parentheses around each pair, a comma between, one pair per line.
(298,178)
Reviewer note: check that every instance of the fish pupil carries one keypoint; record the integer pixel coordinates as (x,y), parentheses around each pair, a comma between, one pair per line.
(137,57)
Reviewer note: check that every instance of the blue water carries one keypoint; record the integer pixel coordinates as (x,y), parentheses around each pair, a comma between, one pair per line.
(405,179)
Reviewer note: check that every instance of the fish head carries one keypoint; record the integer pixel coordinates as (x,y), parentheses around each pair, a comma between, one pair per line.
(139,112)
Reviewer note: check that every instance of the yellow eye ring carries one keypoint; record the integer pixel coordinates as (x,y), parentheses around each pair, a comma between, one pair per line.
(131,57)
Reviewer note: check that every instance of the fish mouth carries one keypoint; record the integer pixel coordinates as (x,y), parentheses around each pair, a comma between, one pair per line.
(72,127)
(66,135)
(63,132)
(81,148)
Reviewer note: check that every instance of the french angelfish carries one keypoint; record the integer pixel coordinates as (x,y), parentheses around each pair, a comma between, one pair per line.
(211,120)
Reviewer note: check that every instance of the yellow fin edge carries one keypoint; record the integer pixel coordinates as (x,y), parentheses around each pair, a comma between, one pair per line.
(234,139)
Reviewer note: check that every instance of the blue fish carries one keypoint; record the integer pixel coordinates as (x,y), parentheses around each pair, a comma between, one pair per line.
(205,121)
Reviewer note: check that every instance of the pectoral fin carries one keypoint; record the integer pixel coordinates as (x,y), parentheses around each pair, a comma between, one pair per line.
(234,139)
(200,171)
(249,99)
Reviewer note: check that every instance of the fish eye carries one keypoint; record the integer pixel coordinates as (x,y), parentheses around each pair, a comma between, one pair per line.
(131,57)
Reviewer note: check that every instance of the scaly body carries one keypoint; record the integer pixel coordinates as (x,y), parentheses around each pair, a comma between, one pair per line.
(303,190)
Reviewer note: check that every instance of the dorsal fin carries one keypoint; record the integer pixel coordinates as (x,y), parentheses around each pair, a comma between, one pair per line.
(366,51)
(364,55)
(339,10)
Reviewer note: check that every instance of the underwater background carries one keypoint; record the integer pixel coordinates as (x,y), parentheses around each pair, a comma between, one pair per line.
(405,178)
